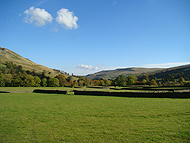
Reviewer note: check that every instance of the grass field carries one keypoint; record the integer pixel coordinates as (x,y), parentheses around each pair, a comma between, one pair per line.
(36,117)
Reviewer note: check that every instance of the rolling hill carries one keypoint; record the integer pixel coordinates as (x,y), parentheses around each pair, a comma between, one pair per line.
(173,72)
(110,74)
(7,55)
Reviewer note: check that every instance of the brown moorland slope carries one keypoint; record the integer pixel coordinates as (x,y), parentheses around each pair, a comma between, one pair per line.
(7,55)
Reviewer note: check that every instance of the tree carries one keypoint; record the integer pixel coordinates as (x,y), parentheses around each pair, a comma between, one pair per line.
(10,64)
(131,79)
(101,83)
(130,82)
(107,82)
(33,73)
(37,81)
(2,80)
(69,78)
(17,81)
(29,81)
(43,74)
(146,77)
(75,83)
(181,80)
(53,82)
(82,78)
(87,81)
(8,79)
(81,82)
(121,80)
(44,82)
(20,67)
(144,81)
(96,82)
(12,71)
(62,80)
(153,82)
(71,83)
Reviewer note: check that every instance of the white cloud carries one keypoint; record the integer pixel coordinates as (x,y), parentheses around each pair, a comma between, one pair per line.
(38,16)
(166,65)
(86,67)
(67,19)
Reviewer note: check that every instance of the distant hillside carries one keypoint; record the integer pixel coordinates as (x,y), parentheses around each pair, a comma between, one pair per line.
(174,72)
(7,55)
(110,74)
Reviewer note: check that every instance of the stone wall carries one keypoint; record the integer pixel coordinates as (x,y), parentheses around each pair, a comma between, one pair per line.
(136,94)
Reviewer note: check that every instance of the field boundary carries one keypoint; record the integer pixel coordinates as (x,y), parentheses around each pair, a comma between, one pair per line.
(136,94)
(51,91)
(39,91)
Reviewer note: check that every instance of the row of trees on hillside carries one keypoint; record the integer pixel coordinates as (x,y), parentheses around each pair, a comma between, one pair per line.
(27,80)
(133,80)
(13,75)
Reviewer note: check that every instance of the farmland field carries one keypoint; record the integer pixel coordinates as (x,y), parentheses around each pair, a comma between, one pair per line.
(37,117)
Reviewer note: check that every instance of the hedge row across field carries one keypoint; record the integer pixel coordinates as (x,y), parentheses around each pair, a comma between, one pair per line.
(147,89)
(51,91)
(136,94)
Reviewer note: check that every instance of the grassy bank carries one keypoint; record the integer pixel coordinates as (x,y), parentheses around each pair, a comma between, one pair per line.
(35,117)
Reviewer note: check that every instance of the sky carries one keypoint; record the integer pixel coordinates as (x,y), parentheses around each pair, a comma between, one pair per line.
(87,36)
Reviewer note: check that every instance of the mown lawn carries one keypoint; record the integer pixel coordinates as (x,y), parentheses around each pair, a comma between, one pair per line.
(36,117)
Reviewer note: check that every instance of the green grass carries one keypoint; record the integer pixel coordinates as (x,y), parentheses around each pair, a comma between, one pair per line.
(35,117)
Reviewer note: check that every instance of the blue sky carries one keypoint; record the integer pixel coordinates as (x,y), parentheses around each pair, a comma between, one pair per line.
(86,36)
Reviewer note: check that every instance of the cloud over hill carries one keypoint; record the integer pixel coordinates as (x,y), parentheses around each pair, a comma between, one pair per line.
(86,67)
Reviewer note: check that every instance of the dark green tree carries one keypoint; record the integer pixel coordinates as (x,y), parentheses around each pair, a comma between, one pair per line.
(87,81)
(107,82)
(146,77)
(121,80)
(8,79)
(29,81)
(44,82)
(131,79)
(37,81)
(53,82)
(17,81)
(2,80)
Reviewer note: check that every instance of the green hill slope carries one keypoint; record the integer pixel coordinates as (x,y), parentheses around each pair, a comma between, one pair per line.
(110,74)
(7,55)
(174,72)
(170,73)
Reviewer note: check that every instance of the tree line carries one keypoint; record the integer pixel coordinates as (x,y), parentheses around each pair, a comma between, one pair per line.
(14,76)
